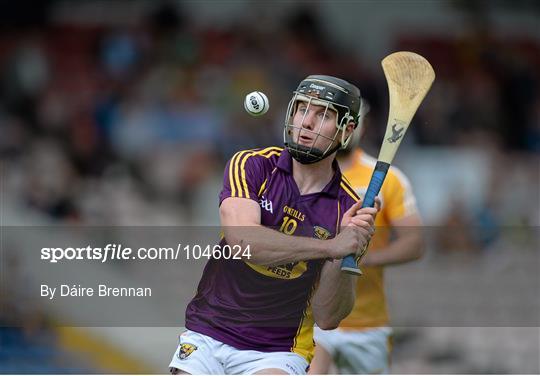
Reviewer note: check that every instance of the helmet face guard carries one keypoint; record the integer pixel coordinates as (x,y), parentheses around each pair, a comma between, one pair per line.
(334,95)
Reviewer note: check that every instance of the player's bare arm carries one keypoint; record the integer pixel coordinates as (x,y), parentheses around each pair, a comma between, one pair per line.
(240,219)
(335,295)
(334,298)
(408,244)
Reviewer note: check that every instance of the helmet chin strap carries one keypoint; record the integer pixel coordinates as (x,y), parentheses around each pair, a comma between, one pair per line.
(307,155)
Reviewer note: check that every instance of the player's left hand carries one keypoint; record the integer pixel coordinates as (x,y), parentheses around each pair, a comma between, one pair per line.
(359,219)
(359,212)
(356,211)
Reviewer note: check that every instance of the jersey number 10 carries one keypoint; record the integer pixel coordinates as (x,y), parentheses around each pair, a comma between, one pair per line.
(288,226)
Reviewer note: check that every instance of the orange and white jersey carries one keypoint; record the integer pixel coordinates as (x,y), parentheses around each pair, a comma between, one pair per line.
(398,202)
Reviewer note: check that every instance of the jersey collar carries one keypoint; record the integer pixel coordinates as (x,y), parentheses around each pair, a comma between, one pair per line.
(284,163)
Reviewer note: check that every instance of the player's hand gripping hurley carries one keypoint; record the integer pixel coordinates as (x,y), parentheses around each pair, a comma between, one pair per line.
(409,77)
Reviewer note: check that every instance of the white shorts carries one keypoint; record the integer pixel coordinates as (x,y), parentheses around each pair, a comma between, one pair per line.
(357,352)
(200,354)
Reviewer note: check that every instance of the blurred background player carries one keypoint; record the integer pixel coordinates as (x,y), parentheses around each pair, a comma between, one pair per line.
(362,343)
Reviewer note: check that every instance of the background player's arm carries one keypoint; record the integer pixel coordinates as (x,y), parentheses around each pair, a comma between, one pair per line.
(241,223)
(408,244)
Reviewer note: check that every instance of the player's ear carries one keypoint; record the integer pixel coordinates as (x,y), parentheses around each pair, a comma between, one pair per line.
(346,136)
(349,129)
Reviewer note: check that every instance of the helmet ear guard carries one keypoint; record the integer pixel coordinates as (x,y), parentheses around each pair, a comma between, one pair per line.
(358,122)
(345,120)
(355,136)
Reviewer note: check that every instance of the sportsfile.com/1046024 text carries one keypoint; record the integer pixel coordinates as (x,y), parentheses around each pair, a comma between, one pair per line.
(119,252)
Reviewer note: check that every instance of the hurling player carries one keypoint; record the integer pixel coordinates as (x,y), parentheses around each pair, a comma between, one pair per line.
(299,217)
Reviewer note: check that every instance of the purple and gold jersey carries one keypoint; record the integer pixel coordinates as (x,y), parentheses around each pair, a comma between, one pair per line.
(254,307)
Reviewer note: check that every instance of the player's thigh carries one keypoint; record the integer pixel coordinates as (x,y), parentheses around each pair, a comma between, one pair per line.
(322,362)
(249,362)
(365,352)
(329,340)
(195,354)
(271,371)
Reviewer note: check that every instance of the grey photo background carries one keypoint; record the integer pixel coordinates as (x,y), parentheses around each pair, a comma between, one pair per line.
(123,114)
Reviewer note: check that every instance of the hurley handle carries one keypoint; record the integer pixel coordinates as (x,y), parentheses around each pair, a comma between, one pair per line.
(349,263)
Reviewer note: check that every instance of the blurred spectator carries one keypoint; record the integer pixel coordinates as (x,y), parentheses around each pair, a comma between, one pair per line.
(456,232)
(157,97)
